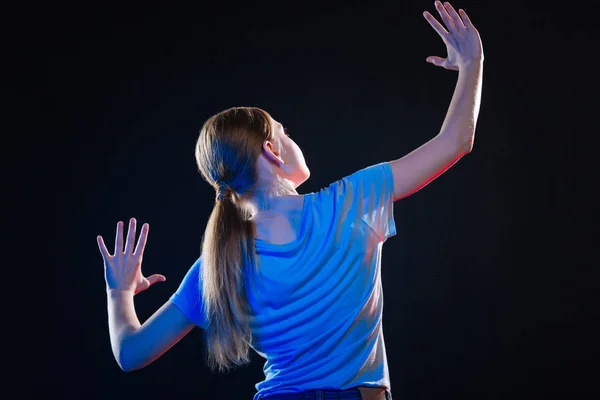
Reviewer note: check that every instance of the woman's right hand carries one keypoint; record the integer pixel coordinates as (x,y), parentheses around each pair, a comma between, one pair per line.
(462,40)
(123,270)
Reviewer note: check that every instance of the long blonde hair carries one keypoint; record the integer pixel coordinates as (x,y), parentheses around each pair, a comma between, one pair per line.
(228,147)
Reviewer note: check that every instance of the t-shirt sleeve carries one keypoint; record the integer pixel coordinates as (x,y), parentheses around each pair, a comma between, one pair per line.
(369,194)
(188,297)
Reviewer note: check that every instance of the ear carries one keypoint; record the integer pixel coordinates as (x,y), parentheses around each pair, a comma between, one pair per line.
(271,153)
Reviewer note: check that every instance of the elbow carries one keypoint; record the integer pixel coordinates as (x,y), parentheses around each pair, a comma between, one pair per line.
(129,362)
(126,360)
(124,366)
(125,363)
(466,147)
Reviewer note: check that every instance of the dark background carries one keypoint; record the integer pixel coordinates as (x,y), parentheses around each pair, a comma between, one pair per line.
(489,283)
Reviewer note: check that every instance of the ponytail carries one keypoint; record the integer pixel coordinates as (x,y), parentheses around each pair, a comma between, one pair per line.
(227,152)
(227,247)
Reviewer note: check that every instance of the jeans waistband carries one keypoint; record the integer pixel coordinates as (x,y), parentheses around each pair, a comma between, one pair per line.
(323,394)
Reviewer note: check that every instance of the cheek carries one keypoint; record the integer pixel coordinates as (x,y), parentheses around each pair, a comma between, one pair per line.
(289,152)
(297,154)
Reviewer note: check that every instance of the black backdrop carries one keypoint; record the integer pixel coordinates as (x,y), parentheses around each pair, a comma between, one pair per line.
(490,280)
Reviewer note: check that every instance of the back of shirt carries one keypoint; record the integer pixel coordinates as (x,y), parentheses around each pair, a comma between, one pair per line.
(316,302)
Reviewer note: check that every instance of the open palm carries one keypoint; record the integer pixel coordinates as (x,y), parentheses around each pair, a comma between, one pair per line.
(123,270)
(462,40)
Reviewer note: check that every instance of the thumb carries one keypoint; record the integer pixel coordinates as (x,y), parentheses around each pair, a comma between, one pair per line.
(152,279)
(437,61)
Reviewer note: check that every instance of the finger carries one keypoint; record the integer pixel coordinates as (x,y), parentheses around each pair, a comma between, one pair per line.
(156,278)
(454,15)
(465,19)
(130,236)
(139,250)
(436,26)
(445,16)
(119,239)
(103,249)
(437,61)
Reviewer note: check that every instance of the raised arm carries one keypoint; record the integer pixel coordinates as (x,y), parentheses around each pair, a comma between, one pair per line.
(455,139)
(136,345)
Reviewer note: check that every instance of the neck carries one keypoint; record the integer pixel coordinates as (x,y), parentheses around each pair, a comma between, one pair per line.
(268,197)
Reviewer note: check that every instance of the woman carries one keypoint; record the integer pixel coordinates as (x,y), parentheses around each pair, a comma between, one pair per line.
(295,277)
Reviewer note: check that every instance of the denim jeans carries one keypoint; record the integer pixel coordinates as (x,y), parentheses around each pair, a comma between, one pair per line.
(323,394)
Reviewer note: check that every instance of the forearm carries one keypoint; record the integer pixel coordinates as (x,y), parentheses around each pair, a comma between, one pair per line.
(122,323)
(461,118)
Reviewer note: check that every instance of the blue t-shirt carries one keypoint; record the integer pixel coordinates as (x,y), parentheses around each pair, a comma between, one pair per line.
(317,302)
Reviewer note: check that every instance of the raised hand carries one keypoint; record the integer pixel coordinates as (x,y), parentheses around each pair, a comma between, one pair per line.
(462,40)
(123,270)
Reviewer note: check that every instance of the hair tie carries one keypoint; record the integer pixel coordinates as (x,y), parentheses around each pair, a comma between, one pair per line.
(223,191)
